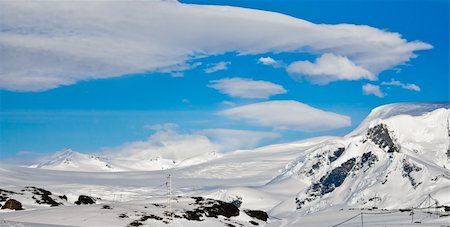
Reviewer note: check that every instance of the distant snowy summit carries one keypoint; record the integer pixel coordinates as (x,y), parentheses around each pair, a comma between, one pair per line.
(397,157)
(69,160)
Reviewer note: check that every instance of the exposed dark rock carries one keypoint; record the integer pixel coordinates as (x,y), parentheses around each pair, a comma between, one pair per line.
(258,214)
(448,153)
(211,208)
(158,205)
(12,204)
(379,134)
(123,216)
(253,223)
(84,199)
(106,207)
(5,194)
(42,196)
(193,215)
(63,197)
(336,154)
(408,168)
(316,165)
(367,159)
(151,216)
(135,223)
(237,202)
(336,177)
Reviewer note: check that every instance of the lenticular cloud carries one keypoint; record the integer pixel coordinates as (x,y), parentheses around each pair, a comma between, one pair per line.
(48,44)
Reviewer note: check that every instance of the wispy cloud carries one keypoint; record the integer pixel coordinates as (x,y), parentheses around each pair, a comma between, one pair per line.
(370,89)
(290,115)
(393,82)
(247,88)
(219,66)
(63,42)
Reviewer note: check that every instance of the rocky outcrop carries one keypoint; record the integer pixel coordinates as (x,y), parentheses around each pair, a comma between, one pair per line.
(408,168)
(42,196)
(258,214)
(211,208)
(336,178)
(379,134)
(12,204)
(84,199)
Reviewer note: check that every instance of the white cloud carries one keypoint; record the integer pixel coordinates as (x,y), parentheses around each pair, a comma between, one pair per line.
(62,42)
(168,143)
(270,61)
(231,139)
(165,143)
(329,68)
(402,85)
(247,88)
(291,115)
(223,65)
(370,89)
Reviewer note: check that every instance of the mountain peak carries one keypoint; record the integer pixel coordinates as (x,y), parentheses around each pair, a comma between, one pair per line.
(390,110)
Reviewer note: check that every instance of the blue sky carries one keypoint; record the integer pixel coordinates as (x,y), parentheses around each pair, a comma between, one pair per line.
(97,104)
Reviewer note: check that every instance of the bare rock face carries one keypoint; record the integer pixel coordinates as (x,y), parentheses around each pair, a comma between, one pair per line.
(380,135)
(12,204)
(84,199)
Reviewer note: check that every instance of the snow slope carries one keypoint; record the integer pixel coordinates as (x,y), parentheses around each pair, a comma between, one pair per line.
(399,157)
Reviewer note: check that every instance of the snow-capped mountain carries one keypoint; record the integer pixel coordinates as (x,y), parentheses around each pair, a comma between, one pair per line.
(399,157)
(70,160)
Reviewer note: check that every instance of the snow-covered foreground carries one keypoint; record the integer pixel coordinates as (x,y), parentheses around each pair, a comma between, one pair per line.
(398,158)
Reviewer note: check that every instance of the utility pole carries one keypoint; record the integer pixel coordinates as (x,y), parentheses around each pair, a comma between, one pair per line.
(362,220)
(429,204)
(169,196)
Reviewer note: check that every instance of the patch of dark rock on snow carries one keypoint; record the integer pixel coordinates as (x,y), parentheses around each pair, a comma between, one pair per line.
(253,222)
(63,197)
(5,194)
(313,169)
(42,196)
(106,207)
(258,214)
(159,205)
(84,199)
(123,216)
(12,204)
(448,153)
(210,208)
(336,154)
(367,159)
(145,218)
(408,168)
(336,177)
(379,134)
